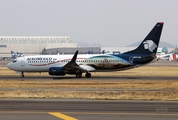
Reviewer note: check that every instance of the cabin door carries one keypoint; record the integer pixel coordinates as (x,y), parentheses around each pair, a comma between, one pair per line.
(23,62)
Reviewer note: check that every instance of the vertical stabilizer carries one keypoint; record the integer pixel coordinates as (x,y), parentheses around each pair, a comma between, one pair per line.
(150,44)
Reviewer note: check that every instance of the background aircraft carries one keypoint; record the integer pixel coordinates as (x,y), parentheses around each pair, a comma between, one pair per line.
(78,64)
(15,55)
(169,56)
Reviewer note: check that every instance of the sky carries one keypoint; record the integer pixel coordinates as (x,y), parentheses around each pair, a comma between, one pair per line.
(106,22)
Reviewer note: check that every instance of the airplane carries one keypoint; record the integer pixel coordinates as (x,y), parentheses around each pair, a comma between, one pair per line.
(169,56)
(15,55)
(60,65)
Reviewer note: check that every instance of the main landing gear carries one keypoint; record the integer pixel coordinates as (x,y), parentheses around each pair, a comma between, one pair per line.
(22,75)
(87,75)
(78,75)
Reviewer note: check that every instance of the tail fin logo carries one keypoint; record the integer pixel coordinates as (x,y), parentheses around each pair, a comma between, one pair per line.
(150,45)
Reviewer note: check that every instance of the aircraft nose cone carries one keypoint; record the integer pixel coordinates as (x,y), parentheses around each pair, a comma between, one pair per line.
(9,65)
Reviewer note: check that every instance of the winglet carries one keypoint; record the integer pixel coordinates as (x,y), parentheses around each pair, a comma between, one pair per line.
(75,56)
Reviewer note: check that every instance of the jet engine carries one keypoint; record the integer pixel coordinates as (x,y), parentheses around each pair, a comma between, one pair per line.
(56,71)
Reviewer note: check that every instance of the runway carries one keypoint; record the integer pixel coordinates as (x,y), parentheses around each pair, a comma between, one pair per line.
(84,109)
(42,109)
(92,78)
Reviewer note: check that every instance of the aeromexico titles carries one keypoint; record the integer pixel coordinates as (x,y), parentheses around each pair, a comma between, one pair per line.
(77,64)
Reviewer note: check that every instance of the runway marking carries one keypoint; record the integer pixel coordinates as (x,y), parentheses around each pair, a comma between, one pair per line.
(133,113)
(119,113)
(62,116)
(124,113)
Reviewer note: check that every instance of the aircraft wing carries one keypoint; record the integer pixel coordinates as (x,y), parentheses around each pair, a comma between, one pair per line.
(74,67)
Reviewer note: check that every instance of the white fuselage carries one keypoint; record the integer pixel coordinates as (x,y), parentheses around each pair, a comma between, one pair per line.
(42,63)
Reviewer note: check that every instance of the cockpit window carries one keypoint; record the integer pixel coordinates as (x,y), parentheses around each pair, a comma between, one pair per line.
(15,60)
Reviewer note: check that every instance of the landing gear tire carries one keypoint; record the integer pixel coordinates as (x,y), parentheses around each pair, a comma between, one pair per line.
(88,75)
(78,75)
(22,75)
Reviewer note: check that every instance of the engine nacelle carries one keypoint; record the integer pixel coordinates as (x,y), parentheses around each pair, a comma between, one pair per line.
(56,71)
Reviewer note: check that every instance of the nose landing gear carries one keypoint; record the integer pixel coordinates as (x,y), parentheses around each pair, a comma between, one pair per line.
(22,75)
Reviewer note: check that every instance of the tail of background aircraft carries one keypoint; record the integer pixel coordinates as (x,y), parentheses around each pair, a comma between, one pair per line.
(58,52)
(90,52)
(150,43)
(15,55)
(103,52)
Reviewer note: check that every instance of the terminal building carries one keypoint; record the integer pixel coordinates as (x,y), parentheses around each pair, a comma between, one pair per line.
(32,45)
